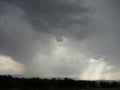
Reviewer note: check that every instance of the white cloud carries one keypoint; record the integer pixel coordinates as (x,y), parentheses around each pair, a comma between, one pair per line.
(10,66)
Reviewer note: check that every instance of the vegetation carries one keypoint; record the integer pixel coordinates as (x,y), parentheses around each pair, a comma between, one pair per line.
(9,82)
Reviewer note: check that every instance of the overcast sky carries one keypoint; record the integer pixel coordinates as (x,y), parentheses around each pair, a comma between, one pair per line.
(60,38)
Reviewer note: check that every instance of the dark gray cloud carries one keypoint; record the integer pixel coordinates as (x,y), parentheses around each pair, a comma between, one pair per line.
(15,34)
(57,17)
(106,42)
(20,19)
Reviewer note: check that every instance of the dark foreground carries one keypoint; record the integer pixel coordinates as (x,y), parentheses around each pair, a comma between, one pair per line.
(8,82)
(67,89)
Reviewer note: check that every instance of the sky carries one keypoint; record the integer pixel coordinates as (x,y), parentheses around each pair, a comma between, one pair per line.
(60,38)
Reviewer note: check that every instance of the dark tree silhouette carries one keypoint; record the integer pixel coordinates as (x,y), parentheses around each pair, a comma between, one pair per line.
(8,82)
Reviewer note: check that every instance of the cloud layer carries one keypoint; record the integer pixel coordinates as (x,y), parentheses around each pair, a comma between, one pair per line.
(59,37)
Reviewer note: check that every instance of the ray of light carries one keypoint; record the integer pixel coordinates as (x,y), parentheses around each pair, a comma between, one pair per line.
(94,70)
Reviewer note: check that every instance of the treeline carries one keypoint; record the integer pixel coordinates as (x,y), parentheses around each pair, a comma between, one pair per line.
(9,82)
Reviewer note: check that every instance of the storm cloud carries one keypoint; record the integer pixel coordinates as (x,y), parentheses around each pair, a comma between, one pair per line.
(57,17)
(61,37)
(20,19)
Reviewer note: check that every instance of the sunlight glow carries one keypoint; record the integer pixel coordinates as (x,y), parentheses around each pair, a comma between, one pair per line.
(94,70)
(8,64)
